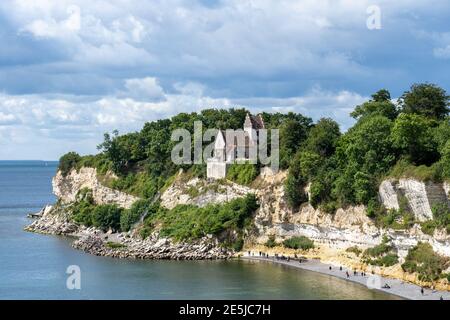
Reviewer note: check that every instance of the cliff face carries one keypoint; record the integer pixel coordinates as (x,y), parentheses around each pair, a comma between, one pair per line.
(350,226)
(201,192)
(420,197)
(66,188)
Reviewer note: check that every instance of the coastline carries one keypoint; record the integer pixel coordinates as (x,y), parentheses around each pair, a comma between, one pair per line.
(398,288)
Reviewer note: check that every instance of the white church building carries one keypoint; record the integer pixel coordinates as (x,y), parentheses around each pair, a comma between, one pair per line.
(235,146)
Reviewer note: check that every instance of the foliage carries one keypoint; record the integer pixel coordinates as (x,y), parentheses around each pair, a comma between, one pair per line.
(238,244)
(357,251)
(441,219)
(301,242)
(67,162)
(423,260)
(292,135)
(270,243)
(83,207)
(322,137)
(427,100)
(106,217)
(379,105)
(186,222)
(381,255)
(412,135)
(242,173)
(404,169)
(139,208)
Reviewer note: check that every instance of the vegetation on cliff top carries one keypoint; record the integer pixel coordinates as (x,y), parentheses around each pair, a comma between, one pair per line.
(410,138)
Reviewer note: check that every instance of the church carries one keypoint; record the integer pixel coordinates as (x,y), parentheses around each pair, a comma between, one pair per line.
(235,146)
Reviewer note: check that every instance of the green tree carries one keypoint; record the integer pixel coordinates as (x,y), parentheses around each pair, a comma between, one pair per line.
(292,134)
(67,162)
(322,137)
(427,100)
(413,135)
(106,217)
(380,104)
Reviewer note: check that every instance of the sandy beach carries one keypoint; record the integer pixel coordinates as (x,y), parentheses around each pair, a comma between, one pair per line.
(374,282)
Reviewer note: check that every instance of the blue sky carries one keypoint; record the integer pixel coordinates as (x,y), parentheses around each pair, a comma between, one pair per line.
(72,70)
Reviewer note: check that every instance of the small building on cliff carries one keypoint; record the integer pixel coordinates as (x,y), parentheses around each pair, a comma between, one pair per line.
(235,146)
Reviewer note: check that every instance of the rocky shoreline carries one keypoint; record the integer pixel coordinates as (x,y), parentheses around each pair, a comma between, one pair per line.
(128,246)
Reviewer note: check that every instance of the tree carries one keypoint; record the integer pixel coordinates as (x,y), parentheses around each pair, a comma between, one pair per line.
(322,137)
(106,217)
(427,100)
(441,134)
(445,159)
(381,96)
(292,134)
(413,135)
(380,104)
(67,162)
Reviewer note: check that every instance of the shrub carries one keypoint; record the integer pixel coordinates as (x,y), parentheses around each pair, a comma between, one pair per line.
(185,222)
(243,173)
(357,251)
(301,242)
(381,255)
(67,162)
(270,243)
(238,244)
(132,215)
(423,260)
(106,216)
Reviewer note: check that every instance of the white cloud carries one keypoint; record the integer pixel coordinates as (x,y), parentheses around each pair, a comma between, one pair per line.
(146,89)
(79,125)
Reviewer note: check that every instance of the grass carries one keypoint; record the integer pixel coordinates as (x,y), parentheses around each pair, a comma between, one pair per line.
(404,169)
(115,245)
(301,242)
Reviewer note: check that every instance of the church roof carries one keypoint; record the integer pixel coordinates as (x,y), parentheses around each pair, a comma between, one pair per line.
(255,122)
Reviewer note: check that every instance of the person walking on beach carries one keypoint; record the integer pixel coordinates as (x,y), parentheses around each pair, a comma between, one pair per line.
(422,291)
(340,268)
(329,268)
(348,275)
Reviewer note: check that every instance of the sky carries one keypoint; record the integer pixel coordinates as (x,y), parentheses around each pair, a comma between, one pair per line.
(72,70)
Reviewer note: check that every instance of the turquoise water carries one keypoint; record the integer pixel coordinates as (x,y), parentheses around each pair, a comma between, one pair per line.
(33,266)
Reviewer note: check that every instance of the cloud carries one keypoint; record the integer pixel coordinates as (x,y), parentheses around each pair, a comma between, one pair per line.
(145,89)
(73,69)
(33,123)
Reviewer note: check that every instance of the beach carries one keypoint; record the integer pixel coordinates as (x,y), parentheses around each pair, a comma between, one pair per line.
(397,287)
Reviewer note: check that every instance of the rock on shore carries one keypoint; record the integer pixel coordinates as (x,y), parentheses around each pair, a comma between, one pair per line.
(152,248)
(124,245)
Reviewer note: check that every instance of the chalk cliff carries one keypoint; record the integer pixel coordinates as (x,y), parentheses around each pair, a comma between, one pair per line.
(67,187)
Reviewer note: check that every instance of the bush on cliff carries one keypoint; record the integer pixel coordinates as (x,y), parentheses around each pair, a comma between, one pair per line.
(129,217)
(185,222)
(381,255)
(243,173)
(67,162)
(423,260)
(301,242)
(106,217)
